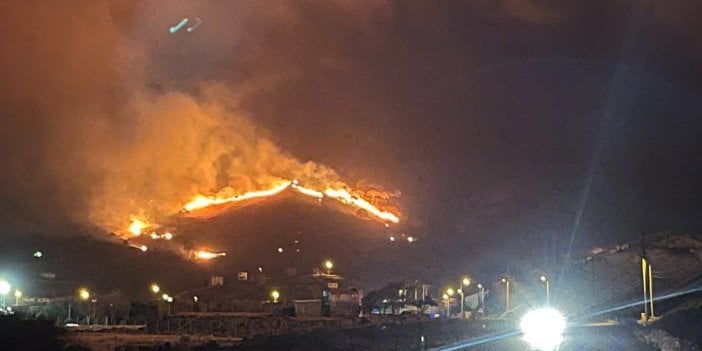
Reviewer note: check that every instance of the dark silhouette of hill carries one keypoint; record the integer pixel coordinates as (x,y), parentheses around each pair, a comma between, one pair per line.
(82,261)
(308,231)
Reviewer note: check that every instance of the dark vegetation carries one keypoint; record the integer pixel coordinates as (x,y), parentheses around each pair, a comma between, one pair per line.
(29,335)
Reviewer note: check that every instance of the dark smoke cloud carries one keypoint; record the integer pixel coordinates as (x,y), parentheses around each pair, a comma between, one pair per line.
(482,113)
(109,116)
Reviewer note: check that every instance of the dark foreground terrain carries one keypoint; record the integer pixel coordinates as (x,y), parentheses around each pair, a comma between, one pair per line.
(388,335)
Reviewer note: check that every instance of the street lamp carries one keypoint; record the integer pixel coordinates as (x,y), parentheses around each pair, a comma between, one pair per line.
(449,294)
(5,288)
(155,288)
(18,296)
(94,302)
(169,300)
(506,282)
(448,306)
(481,298)
(464,283)
(548,289)
(328,265)
(84,294)
(275,295)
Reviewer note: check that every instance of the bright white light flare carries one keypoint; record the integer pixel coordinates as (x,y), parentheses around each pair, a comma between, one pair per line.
(5,287)
(543,328)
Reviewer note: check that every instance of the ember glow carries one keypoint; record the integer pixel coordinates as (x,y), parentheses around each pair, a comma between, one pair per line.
(207,255)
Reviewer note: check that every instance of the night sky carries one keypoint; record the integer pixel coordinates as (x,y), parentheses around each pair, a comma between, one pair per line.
(489,117)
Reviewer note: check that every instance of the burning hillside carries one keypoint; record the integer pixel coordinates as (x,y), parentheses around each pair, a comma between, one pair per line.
(341,195)
(210,156)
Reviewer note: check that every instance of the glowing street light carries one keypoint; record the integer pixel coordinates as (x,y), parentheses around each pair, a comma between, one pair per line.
(543,328)
(464,284)
(275,295)
(155,288)
(544,279)
(5,288)
(328,265)
(84,294)
(449,294)
(169,300)
(18,296)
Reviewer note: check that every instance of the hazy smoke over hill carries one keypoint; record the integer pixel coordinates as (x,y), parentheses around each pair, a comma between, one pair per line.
(101,123)
(485,114)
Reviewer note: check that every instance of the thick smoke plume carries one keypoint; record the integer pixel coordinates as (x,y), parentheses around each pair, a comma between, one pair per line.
(99,127)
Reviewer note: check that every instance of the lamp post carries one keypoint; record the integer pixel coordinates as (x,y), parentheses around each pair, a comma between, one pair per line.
(84,295)
(548,288)
(18,296)
(328,265)
(448,307)
(449,294)
(94,302)
(464,284)
(481,298)
(506,282)
(155,288)
(5,288)
(169,300)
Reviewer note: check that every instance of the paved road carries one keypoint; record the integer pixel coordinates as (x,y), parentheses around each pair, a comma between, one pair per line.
(610,338)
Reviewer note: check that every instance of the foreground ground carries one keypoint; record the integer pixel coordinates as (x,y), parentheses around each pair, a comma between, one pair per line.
(422,335)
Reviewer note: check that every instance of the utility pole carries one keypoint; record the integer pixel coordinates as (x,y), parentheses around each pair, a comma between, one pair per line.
(650,287)
(644,267)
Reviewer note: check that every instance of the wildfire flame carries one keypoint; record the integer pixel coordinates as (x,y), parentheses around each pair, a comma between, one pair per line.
(308,191)
(345,197)
(137,226)
(342,195)
(200,201)
(207,255)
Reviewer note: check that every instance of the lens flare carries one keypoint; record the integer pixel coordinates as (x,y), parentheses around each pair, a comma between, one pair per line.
(543,328)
